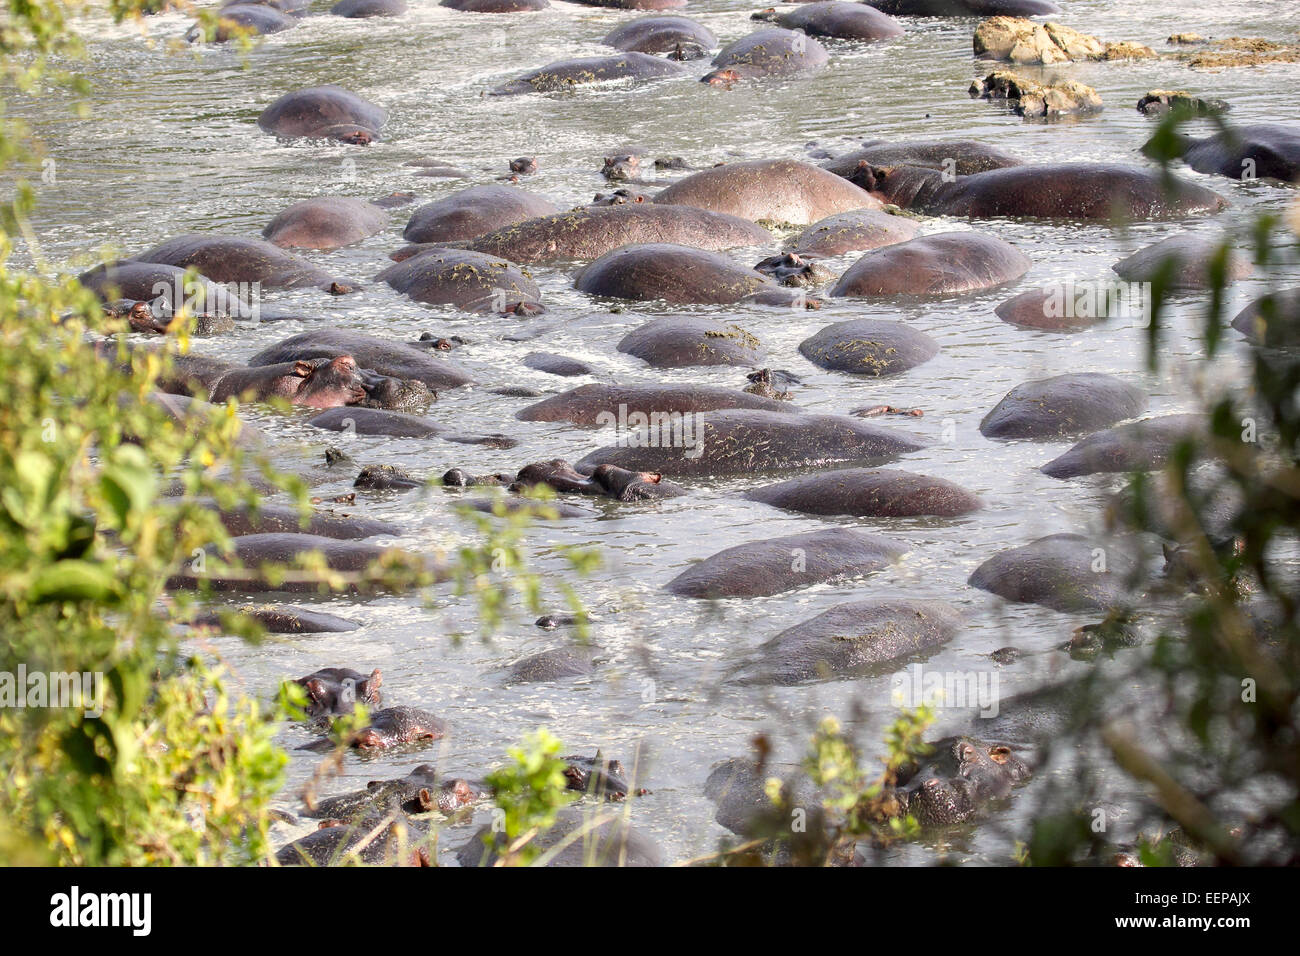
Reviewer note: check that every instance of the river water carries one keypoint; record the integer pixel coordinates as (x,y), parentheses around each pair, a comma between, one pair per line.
(168,144)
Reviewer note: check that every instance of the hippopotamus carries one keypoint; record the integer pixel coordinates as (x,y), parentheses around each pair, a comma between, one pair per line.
(620,196)
(851,640)
(230,259)
(558,663)
(281,619)
(1137,446)
(324,112)
(335,845)
(766,383)
(1272,320)
(941,263)
(373,421)
(469,280)
(496,6)
(959,779)
(1096,191)
(280,519)
(689,340)
(1066,572)
(881,493)
(660,35)
(1051,309)
(255,551)
(574,840)
(297,8)
(1063,406)
(398,360)
(855,231)
(741,441)
(621,168)
(793,270)
(420,791)
(769,52)
(634,4)
(337,690)
(472,212)
(386,478)
(238,19)
(1186,261)
(602,480)
(869,347)
(958,157)
(1259,151)
(325,222)
(566,74)
(561,365)
(598,777)
(773,565)
(965,8)
(676,274)
(591,231)
(777,190)
(603,404)
(162,288)
(364,9)
(835,19)
(319,383)
(395,726)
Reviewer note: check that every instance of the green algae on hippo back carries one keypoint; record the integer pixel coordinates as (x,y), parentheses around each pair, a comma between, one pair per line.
(744,441)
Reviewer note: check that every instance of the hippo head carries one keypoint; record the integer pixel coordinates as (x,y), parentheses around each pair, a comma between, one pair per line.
(597,777)
(557,473)
(334,690)
(524,165)
(961,777)
(724,78)
(395,394)
(792,269)
(624,485)
(329,384)
(899,185)
(767,15)
(451,796)
(621,168)
(349,133)
(618,197)
(141,319)
(687,51)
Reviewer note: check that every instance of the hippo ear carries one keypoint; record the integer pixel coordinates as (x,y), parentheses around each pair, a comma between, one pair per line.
(375,682)
(424,799)
(639,199)
(303,369)
(316,690)
(999,754)
(966,751)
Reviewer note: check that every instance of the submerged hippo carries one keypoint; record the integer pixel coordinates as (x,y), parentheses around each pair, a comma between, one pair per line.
(421,791)
(1187,262)
(869,347)
(1066,572)
(676,274)
(938,264)
(162,287)
(558,663)
(778,190)
(269,518)
(238,19)
(851,640)
(686,341)
(769,52)
(561,365)
(373,421)
(230,259)
(566,74)
(337,690)
(602,480)
(958,157)
(883,493)
(1097,191)
(957,781)
(1260,151)
(592,231)
(774,565)
(599,777)
(575,840)
(793,270)
(1137,446)
(395,726)
(281,619)
(468,280)
(364,9)
(472,212)
(496,6)
(965,8)
(856,231)
(1272,320)
(835,19)
(325,222)
(397,844)
(635,404)
(395,359)
(1059,307)
(1063,406)
(324,112)
(316,383)
(660,35)
(743,441)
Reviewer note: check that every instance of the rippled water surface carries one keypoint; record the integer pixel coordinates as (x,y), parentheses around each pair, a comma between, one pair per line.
(169,144)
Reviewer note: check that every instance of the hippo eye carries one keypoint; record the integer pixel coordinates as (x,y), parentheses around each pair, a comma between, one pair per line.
(966,752)
(1000,754)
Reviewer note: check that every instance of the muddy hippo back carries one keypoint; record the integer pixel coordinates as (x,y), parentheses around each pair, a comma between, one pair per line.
(777,190)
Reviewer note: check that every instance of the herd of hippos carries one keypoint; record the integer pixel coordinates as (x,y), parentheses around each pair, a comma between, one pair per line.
(473,250)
